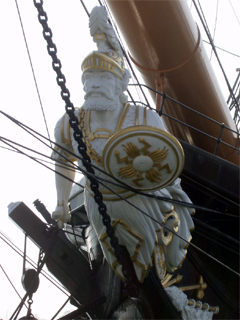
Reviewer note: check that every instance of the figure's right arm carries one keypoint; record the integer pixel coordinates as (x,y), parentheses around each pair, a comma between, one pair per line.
(65,172)
(64,180)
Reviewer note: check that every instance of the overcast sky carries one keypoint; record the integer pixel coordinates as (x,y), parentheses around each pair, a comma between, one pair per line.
(21,178)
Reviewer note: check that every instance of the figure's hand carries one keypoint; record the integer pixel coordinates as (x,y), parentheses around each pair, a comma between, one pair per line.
(61,215)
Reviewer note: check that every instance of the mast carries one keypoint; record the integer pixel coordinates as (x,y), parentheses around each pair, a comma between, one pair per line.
(166,46)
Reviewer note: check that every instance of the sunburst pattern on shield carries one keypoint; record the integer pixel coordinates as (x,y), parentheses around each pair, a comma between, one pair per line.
(145,157)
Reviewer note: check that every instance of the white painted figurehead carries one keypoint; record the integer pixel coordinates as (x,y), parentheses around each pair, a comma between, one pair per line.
(107,121)
(104,76)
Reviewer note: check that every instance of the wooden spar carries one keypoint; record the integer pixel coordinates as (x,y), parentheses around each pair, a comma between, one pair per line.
(165,44)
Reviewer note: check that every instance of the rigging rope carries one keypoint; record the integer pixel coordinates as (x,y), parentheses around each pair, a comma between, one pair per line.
(73,166)
(234,12)
(12,284)
(145,213)
(161,224)
(102,180)
(127,60)
(60,309)
(204,23)
(215,25)
(122,258)
(111,23)
(85,8)
(33,72)
(57,284)
(232,53)
(129,64)
(39,269)
(165,96)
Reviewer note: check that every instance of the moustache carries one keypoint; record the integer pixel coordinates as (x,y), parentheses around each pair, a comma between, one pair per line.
(101,93)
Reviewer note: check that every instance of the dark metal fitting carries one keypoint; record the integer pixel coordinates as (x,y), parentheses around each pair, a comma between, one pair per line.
(30,281)
(107,220)
(74,125)
(70,107)
(73,121)
(61,80)
(38,3)
(65,94)
(52,49)
(82,148)
(42,16)
(78,136)
(114,241)
(94,185)
(47,34)
(164,96)
(56,64)
(98,199)
(102,208)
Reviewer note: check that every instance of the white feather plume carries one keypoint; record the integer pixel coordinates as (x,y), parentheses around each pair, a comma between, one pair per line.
(98,23)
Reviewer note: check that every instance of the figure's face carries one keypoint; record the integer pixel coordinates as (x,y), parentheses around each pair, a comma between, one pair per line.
(102,90)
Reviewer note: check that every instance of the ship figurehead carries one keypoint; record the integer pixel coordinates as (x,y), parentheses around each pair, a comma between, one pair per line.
(133,147)
(142,156)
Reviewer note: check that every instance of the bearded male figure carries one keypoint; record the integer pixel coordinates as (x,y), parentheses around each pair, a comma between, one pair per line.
(105,112)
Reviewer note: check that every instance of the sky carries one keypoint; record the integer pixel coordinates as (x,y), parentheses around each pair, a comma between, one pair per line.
(21,178)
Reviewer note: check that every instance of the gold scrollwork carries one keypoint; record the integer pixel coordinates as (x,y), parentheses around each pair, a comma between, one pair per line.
(160,262)
(172,222)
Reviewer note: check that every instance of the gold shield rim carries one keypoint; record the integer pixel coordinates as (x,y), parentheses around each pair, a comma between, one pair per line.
(148,131)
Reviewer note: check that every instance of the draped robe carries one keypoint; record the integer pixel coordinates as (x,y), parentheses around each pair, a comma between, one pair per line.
(137,231)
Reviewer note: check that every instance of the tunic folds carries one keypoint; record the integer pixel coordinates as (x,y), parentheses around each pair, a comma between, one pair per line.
(139,230)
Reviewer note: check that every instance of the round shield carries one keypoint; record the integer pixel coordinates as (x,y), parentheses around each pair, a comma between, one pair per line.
(144,157)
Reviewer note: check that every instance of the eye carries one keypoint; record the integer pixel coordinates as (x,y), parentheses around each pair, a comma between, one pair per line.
(87,76)
(106,76)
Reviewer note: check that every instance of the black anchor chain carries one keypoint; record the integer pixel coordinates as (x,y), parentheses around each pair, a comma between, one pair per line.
(123,260)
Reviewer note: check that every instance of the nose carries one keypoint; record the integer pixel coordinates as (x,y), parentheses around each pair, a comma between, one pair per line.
(95,83)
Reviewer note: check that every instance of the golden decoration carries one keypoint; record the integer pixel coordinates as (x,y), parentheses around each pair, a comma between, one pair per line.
(144,157)
(88,135)
(152,159)
(160,262)
(106,61)
(172,222)
(145,268)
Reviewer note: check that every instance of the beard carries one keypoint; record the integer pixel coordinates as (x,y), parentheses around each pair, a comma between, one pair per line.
(101,103)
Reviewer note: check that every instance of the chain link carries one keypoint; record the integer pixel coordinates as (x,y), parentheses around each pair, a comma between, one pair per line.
(124,261)
(29,312)
(40,258)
